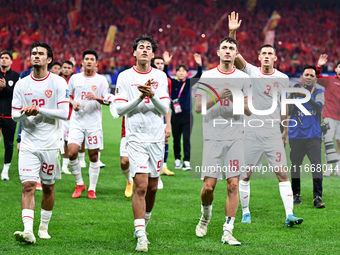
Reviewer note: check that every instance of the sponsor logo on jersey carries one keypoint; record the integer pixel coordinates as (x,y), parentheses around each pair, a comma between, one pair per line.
(48,93)
(155,84)
(28,94)
(94,87)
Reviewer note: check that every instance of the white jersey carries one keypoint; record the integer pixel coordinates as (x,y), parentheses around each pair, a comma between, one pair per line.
(40,132)
(90,114)
(263,86)
(144,123)
(219,122)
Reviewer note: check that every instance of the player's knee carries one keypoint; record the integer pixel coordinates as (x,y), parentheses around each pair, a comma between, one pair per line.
(208,188)
(140,190)
(28,187)
(232,188)
(47,189)
(152,189)
(124,163)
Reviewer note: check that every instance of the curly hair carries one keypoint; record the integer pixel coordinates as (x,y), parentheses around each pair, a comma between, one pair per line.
(148,38)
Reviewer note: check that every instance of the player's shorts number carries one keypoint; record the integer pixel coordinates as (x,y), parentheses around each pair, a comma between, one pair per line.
(47,169)
(234,165)
(159,164)
(38,102)
(278,154)
(92,139)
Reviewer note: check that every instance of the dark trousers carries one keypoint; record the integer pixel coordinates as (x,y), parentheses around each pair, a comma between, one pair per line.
(298,149)
(181,124)
(8,127)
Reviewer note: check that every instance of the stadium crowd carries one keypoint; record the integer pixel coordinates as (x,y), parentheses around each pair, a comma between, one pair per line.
(175,25)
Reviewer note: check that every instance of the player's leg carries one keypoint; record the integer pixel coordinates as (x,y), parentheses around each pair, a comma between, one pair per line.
(330,133)
(94,171)
(176,134)
(150,198)
(187,123)
(165,169)
(8,131)
(314,155)
(253,151)
(337,137)
(76,137)
(81,155)
(66,161)
(298,150)
(29,167)
(124,166)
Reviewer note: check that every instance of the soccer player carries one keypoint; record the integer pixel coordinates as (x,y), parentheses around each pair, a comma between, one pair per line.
(40,101)
(266,140)
(89,89)
(8,79)
(330,112)
(66,73)
(223,144)
(55,68)
(142,96)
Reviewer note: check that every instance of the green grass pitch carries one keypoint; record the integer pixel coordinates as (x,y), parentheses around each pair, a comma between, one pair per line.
(105,225)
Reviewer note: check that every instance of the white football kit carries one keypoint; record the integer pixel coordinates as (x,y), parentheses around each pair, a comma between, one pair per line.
(223,132)
(87,122)
(262,135)
(144,123)
(41,134)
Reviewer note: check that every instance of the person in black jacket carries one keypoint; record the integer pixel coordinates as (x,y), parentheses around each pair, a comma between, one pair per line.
(182,118)
(8,78)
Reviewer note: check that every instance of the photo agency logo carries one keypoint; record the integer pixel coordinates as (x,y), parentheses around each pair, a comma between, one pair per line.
(279,98)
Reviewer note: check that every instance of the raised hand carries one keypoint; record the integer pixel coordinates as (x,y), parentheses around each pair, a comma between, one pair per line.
(322,60)
(167,57)
(198,59)
(234,23)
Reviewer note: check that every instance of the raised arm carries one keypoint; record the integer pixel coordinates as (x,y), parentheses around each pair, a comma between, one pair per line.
(198,60)
(322,61)
(167,58)
(234,24)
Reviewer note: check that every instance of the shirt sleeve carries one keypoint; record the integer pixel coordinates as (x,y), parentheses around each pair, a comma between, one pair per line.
(17,104)
(71,85)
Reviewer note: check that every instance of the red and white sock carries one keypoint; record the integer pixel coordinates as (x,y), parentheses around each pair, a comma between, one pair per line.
(45,218)
(229,224)
(244,189)
(287,196)
(140,227)
(76,171)
(94,170)
(126,173)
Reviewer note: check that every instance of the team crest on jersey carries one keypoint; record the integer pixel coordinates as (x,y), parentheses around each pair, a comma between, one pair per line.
(48,93)
(94,87)
(10,83)
(276,84)
(155,84)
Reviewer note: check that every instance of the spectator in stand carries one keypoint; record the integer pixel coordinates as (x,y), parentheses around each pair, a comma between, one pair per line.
(182,118)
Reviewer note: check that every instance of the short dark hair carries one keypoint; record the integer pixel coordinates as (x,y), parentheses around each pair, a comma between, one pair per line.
(268,46)
(183,66)
(68,62)
(6,52)
(148,38)
(153,60)
(229,40)
(92,52)
(55,64)
(337,64)
(43,45)
(310,67)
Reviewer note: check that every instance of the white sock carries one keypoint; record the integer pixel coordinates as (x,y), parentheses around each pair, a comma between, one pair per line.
(206,211)
(27,219)
(140,227)
(229,224)
(164,165)
(99,156)
(127,175)
(81,156)
(287,196)
(6,168)
(244,189)
(94,170)
(65,162)
(147,218)
(45,218)
(76,171)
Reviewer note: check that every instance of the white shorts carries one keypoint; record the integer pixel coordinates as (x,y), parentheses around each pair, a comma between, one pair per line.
(334,127)
(35,163)
(66,128)
(262,143)
(123,150)
(145,158)
(93,138)
(223,159)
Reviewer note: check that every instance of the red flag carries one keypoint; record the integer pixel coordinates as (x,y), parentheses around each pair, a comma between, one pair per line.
(160,9)
(25,38)
(3,32)
(131,21)
(201,48)
(272,23)
(305,49)
(180,21)
(73,20)
(188,32)
(35,36)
